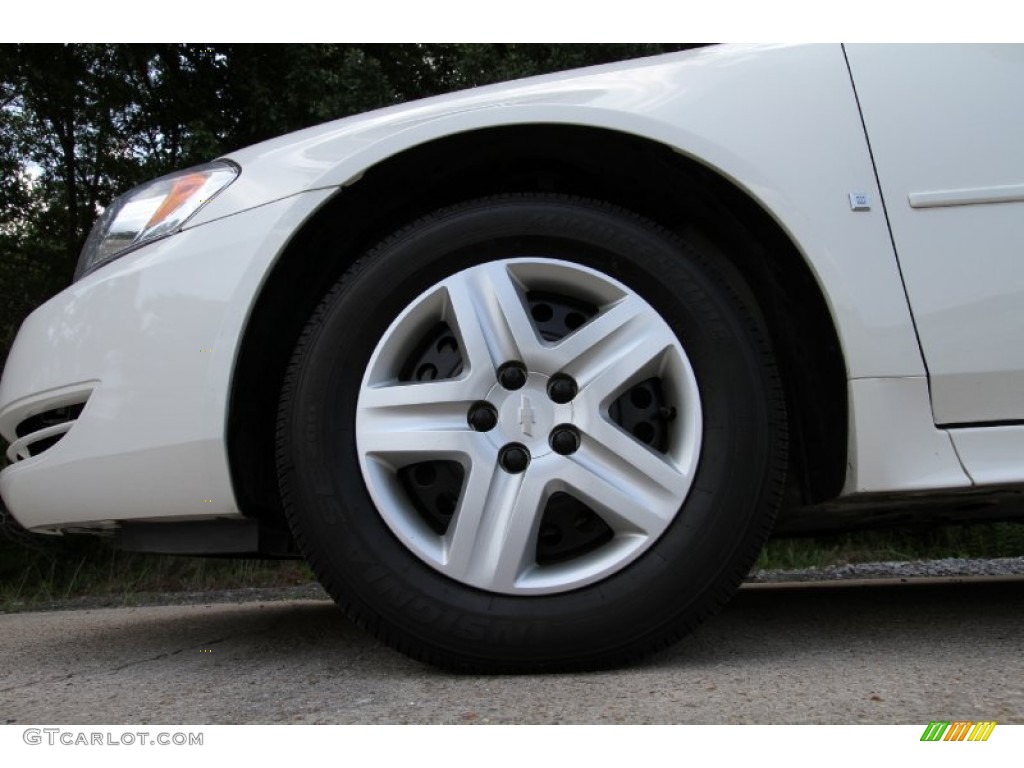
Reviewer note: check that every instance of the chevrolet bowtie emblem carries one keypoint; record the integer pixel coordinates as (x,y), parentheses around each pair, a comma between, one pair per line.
(526,416)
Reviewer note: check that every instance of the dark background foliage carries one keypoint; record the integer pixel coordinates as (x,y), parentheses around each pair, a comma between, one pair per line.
(80,124)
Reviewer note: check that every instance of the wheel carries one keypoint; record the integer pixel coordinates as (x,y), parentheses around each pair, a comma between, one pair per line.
(531,433)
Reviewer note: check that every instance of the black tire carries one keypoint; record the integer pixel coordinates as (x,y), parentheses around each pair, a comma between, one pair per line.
(365,526)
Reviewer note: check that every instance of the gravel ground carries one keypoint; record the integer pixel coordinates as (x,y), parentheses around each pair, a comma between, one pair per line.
(951,568)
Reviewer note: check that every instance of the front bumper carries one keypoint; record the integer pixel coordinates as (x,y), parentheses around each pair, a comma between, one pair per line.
(147,344)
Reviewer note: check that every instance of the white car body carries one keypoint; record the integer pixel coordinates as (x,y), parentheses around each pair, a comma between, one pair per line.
(896,172)
(780,122)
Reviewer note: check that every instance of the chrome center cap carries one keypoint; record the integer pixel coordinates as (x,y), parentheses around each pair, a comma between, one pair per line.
(527,415)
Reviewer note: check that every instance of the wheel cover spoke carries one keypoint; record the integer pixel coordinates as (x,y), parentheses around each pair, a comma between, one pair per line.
(416,419)
(490,544)
(593,346)
(644,471)
(616,359)
(404,438)
(490,316)
(413,398)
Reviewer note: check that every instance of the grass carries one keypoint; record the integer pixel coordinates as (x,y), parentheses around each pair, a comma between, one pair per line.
(39,571)
(989,540)
(44,577)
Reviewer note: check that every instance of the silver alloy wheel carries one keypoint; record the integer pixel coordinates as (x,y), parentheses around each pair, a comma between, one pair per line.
(492,540)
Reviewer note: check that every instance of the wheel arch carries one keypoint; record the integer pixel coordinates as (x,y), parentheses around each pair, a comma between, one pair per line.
(635,173)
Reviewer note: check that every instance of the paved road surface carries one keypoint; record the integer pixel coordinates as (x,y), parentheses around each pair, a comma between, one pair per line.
(854,654)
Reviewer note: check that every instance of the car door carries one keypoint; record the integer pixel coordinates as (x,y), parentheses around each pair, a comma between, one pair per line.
(945,125)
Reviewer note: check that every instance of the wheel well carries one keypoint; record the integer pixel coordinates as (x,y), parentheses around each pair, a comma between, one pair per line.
(634,173)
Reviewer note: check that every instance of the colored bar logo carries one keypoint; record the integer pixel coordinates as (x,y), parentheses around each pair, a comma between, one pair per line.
(958,730)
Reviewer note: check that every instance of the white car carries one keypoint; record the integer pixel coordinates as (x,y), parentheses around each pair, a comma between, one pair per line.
(527,373)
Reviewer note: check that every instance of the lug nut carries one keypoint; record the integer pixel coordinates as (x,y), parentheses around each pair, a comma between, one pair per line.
(514,458)
(562,388)
(564,439)
(512,375)
(483,417)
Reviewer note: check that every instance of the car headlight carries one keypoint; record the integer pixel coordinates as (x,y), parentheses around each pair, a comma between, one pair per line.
(151,211)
